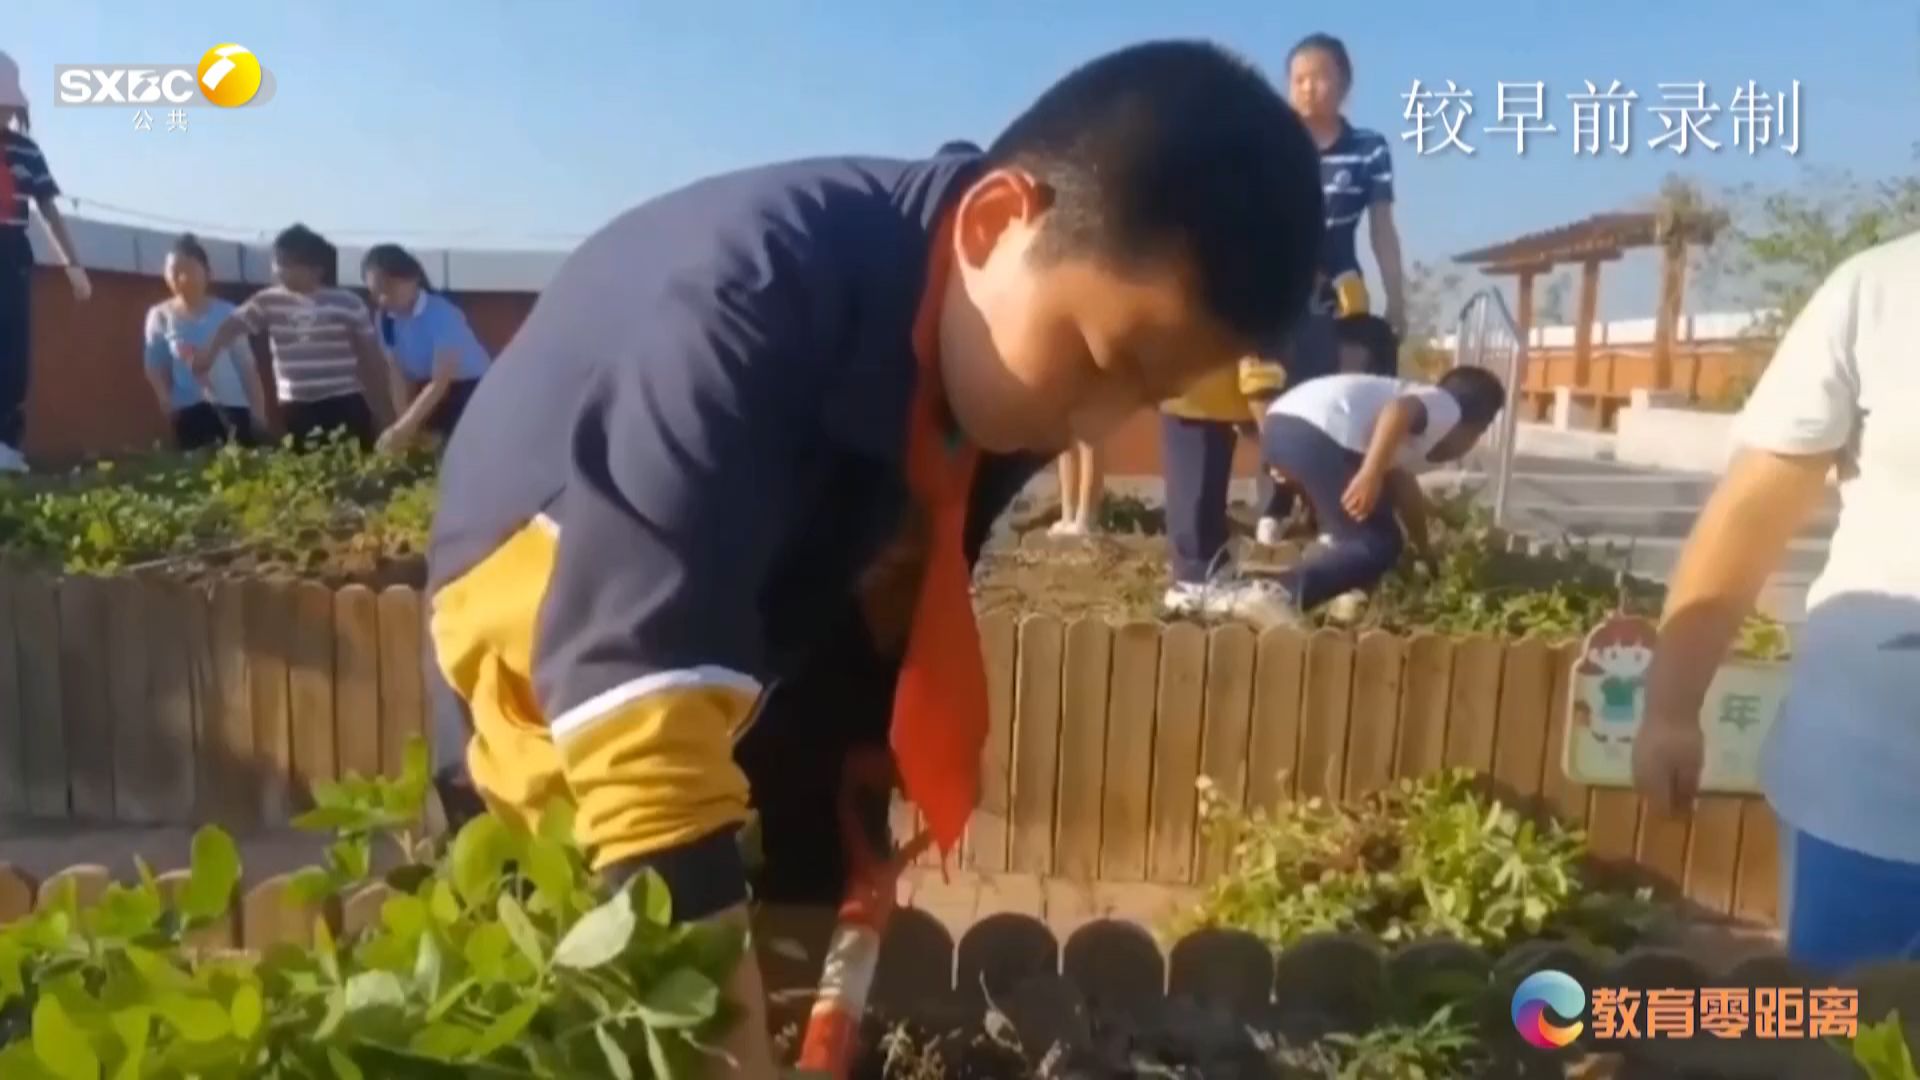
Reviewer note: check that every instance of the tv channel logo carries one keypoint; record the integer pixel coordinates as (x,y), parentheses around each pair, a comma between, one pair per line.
(228,76)
(1539,1000)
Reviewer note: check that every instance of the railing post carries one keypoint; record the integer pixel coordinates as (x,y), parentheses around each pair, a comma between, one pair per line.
(1472,345)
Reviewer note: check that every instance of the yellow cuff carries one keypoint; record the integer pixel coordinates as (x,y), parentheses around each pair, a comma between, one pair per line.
(656,771)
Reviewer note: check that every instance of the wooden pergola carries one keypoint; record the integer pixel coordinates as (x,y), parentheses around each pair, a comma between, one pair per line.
(1600,239)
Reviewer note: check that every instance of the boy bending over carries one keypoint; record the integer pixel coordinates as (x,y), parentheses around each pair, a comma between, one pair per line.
(1354,445)
(879,354)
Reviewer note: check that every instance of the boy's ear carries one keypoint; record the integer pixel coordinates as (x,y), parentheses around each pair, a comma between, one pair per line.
(997,201)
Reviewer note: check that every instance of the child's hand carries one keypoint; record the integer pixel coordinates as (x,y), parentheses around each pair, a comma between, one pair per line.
(1427,559)
(393,440)
(81,284)
(1362,494)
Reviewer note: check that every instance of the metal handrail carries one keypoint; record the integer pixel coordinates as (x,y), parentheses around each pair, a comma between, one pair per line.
(1470,346)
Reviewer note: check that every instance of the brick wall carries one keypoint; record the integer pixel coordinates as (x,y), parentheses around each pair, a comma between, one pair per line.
(88,398)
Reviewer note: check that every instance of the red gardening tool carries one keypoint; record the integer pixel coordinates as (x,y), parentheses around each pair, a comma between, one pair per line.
(853,953)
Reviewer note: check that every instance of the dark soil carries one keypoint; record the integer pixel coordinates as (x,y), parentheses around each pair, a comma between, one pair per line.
(332,562)
(1119,573)
(1048,1031)
(1116,576)
(1120,577)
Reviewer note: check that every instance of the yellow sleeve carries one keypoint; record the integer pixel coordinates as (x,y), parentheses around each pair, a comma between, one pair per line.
(1261,378)
(1351,297)
(656,772)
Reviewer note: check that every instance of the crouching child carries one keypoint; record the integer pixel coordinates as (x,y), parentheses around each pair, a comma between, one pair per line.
(1354,445)
(883,352)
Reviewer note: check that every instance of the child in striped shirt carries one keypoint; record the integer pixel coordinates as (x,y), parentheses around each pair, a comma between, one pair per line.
(321,339)
(25,183)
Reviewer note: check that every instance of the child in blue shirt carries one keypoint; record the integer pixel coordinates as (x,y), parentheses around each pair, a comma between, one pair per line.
(435,360)
(227,403)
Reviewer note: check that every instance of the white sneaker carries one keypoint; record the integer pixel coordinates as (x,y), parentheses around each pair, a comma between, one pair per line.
(1259,601)
(1268,531)
(11,461)
(1185,598)
(1067,527)
(1256,600)
(1347,607)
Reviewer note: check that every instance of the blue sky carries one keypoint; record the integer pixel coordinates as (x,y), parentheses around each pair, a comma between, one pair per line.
(501,123)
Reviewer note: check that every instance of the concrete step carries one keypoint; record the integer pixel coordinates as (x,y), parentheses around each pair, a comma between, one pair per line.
(1649,523)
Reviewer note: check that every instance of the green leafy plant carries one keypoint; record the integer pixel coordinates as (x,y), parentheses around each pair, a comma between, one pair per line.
(333,507)
(1881,1050)
(339,512)
(359,811)
(503,957)
(1440,1048)
(1423,858)
(1560,590)
(1130,514)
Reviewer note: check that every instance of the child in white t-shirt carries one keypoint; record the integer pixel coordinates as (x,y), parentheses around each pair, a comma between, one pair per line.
(1353,445)
(1842,765)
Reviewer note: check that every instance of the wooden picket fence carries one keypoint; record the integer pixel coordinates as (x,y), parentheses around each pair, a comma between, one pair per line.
(150,702)
(135,701)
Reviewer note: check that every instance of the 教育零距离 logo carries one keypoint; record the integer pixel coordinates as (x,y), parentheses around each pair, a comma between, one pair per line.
(1543,998)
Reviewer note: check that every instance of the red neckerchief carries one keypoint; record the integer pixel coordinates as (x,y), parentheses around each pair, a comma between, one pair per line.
(940,705)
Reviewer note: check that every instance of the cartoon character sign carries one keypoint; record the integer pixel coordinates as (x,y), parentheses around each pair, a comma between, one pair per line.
(1613,670)
(1607,700)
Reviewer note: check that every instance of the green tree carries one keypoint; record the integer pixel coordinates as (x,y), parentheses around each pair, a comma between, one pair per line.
(1550,300)
(1433,298)
(1786,241)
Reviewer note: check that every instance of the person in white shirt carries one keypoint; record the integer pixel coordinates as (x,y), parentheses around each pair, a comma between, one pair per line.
(1842,766)
(1354,446)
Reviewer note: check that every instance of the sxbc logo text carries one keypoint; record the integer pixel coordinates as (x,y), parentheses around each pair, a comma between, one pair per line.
(229,76)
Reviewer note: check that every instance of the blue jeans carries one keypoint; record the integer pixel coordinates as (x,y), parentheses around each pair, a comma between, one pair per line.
(1842,908)
(1312,351)
(16,338)
(1361,552)
(1196,461)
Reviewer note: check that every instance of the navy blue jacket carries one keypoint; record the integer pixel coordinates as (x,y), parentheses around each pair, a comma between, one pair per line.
(662,493)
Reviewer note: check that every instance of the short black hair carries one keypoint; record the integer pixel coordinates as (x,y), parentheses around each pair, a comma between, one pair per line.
(958,146)
(187,246)
(1374,334)
(301,246)
(1479,392)
(395,261)
(1179,147)
(1330,45)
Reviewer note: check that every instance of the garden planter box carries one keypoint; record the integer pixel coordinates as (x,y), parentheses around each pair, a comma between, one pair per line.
(142,702)
(1108,988)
